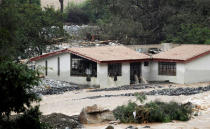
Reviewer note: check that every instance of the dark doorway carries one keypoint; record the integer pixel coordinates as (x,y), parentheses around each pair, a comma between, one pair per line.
(135,72)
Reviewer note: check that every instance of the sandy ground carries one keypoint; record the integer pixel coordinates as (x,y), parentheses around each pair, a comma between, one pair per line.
(70,103)
(56,3)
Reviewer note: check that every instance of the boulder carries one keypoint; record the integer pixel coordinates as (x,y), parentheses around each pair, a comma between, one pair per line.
(94,114)
(109,127)
(131,127)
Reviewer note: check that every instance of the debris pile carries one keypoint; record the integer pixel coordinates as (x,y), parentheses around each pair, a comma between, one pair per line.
(179,91)
(167,91)
(61,121)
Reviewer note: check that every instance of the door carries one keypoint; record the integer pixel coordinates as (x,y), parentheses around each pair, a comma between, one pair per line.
(135,73)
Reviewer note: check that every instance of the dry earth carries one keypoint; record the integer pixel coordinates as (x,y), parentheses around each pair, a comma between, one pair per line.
(71,103)
(56,4)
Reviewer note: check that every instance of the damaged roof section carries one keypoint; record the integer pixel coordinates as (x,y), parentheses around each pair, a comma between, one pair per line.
(102,54)
(183,53)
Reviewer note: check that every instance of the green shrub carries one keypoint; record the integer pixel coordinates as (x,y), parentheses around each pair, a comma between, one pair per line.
(125,113)
(166,112)
(153,112)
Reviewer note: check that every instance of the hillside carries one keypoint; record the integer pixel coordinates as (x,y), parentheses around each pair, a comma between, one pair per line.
(56,4)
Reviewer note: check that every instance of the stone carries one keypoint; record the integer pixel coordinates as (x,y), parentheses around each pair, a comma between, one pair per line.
(131,127)
(109,127)
(146,126)
(114,122)
(94,114)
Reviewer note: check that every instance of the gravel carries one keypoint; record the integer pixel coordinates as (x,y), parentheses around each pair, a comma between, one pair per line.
(128,87)
(179,91)
(50,87)
(167,92)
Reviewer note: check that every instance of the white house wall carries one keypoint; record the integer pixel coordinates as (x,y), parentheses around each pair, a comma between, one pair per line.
(145,71)
(154,76)
(106,81)
(64,70)
(198,70)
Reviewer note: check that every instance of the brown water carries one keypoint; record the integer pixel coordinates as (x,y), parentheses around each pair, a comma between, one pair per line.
(70,103)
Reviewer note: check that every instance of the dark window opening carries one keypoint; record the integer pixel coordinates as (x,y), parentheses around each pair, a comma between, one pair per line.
(46,67)
(58,66)
(146,63)
(83,67)
(115,69)
(167,68)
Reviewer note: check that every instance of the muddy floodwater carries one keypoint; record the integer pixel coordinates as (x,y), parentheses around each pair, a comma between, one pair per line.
(72,102)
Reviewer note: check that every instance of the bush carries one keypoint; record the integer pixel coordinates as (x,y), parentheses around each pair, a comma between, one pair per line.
(166,112)
(125,113)
(153,112)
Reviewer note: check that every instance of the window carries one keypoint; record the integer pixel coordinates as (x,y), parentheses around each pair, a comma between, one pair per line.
(146,63)
(167,68)
(58,66)
(82,67)
(46,67)
(115,69)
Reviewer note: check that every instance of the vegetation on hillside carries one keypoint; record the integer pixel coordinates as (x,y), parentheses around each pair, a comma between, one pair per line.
(146,21)
(26,29)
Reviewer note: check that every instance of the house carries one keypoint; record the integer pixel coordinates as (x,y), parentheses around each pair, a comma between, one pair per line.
(110,66)
(182,64)
(104,66)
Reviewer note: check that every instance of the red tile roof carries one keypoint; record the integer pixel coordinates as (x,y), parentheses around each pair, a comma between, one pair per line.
(183,53)
(102,54)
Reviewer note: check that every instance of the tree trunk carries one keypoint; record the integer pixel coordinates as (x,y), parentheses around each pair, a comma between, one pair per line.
(61,3)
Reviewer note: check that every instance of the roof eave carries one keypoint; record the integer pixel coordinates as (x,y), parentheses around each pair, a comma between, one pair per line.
(125,61)
(48,55)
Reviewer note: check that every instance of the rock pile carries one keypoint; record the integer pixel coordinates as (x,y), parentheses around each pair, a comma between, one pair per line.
(61,121)
(167,91)
(50,87)
(179,91)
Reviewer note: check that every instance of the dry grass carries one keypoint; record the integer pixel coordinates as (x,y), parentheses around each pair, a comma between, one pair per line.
(56,4)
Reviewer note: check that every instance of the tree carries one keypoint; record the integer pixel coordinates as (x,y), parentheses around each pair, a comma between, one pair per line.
(16,83)
(26,29)
(191,33)
(61,3)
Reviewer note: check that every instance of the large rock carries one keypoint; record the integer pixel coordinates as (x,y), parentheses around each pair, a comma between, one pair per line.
(94,114)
